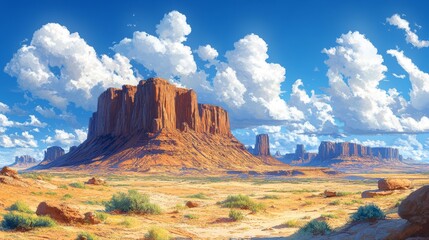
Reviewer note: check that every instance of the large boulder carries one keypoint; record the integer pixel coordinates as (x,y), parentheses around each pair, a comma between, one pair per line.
(191,204)
(96,181)
(415,208)
(330,193)
(387,184)
(60,212)
(375,193)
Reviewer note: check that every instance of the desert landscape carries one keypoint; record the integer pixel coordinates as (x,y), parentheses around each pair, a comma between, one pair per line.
(117,123)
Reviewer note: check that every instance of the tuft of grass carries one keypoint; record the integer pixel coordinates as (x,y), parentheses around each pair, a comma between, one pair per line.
(316,227)
(91,202)
(198,195)
(190,216)
(67,196)
(24,221)
(335,203)
(102,216)
(180,207)
(77,185)
(37,193)
(242,202)
(63,186)
(20,206)
(294,223)
(295,190)
(329,215)
(308,203)
(342,194)
(132,202)
(51,193)
(368,212)
(157,233)
(236,215)
(128,222)
(398,202)
(86,236)
(271,197)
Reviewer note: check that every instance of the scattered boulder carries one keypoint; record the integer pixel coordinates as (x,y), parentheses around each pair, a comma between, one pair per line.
(375,193)
(9,172)
(386,184)
(191,204)
(415,208)
(60,212)
(91,218)
(96,181)
(329,193)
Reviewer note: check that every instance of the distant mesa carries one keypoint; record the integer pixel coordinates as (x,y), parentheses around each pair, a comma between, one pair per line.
(157,126)
(24,161)
(339,154)
(52,153)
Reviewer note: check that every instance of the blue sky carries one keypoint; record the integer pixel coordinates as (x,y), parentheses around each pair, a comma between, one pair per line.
(259,96)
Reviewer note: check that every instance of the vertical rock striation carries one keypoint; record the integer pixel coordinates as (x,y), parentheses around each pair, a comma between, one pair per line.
(262,145)
(331,150)
(53,153)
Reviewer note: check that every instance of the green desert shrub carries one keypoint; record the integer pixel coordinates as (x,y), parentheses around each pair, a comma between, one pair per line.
(131,202)
(157,233)
(242,202)
(294,223)
(67,196)
(25,221)
(236,215)
(271,197)
(20,206)
(86,236)
(198,195)
(102,216)
(316,227)
(77,185)
(368,213)
(190,216)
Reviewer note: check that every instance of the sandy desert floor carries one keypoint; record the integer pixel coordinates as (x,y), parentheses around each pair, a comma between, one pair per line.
(289,202)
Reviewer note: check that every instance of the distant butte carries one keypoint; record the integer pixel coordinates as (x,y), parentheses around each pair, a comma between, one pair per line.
(157,126)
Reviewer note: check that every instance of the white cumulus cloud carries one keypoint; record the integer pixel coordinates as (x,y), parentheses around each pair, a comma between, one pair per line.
(66,139)
(61,67)
(411,37)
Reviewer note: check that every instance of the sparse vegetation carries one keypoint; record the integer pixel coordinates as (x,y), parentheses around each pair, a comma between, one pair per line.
(132,202)
(242,202)
(128,222)
(316,227)
(308,203)
(38,176)
(86,236)
(51,193)
(295,190)
(329,215)
(294,223)
(67,196)
(342,194)
(190,216)
(91,202)
(398,202)
(20,206)
(198,195)
(24,221)
(157,233)
(368,212)
(37,193)
(335,203)
(271,197)
(77,185)
(236,215)
(63,186)
(102,216)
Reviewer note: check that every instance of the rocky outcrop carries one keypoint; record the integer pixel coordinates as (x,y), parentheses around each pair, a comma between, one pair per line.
(387,184)
(329,193)
(191,204)
(24,161)
(9,172)
(64,213)
(10,176)
(157,126)
(52,153)
(415,208)
(96,181)
(331,150)
(262,145)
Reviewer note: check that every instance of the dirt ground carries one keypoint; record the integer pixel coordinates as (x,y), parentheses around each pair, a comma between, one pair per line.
(289,202)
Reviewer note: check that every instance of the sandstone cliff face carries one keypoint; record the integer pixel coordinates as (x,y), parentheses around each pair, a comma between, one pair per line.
(24,161)
(262,145)
(154,105)
(53,153)
(157,126)
(330,150)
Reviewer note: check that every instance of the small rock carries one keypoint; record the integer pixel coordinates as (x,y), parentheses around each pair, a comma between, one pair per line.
(375,193)
(191,204)
(386,184)
(329,193)
(91,218)
(60,212)
(96,181)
